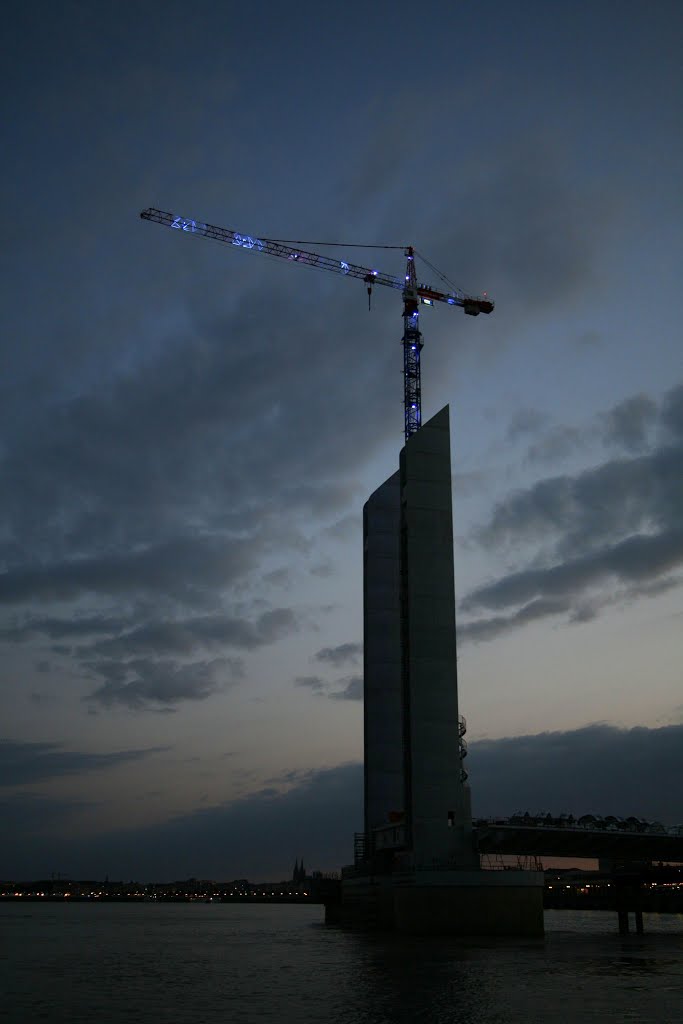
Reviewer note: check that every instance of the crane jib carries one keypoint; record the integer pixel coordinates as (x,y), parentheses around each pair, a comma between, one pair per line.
(471,304)
(270,248)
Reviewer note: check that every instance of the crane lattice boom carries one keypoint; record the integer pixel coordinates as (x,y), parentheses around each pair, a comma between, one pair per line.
(413,293)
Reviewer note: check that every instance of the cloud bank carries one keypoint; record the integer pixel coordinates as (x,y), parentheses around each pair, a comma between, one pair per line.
(606,534)
(598,769)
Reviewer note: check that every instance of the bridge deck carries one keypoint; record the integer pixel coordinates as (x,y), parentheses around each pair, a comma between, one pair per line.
(549,841)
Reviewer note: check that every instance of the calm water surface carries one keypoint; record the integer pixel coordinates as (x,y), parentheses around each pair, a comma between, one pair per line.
(222,964)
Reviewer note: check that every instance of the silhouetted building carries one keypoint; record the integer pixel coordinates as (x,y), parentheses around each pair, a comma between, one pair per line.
(299,872)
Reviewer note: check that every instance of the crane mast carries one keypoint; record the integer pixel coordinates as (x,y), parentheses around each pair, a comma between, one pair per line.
(412,347)
(414,293)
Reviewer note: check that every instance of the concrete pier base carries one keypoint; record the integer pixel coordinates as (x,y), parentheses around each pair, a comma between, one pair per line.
(629,898)
(446,902)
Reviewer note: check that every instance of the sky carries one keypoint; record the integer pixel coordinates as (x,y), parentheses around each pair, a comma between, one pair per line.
(189,431)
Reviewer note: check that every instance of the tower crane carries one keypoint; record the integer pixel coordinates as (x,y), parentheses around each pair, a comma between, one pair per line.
(414,293)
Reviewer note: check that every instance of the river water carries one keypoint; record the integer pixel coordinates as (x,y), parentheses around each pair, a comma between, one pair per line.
(201,963)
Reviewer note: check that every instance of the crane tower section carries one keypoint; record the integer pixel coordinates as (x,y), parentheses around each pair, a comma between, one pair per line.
(412,347)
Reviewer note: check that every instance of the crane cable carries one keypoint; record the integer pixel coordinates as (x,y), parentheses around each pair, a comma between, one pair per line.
(343,245)
(360,245)
(443,277)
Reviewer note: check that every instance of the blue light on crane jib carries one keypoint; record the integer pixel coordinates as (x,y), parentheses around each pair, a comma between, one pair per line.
(181,224)
(247,242)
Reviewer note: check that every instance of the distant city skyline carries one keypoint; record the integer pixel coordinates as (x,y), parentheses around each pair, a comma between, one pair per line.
(189,432)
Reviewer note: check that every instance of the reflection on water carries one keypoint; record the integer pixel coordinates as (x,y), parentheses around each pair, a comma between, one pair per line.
(197,963)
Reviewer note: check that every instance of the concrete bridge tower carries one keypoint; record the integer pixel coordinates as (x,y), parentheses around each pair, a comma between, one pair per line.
(413,769)
(419,869)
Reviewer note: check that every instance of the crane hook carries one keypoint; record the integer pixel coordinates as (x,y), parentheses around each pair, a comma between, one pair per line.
(369,280)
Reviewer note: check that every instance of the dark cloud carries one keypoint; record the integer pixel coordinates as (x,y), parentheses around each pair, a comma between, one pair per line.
(577,609)
(627,423)
(160,483)
(617,523)
(166,465)
(619,497)
(147,665)
(210,632)
(672,412)
(613,771)
(340,655)
(343,529)
(293,776)
(260,836)
(43,698)
(487,629)
(526,421)
(637,559)
(526,225)
(63,629)
(278,577)
(557,443)
(22,763)
(125,462)
(31,815)
(188,568)
(141,500)
(589,339)
(626,426)
(599,769)
(352,689)
(313,683)
(378,173)
(145,684)
(466,485)
(323,570)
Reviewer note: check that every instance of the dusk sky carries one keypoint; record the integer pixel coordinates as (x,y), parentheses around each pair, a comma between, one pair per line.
(189,431)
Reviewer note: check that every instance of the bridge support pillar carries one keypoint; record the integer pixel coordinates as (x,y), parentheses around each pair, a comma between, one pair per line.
(628,898)
(446,902)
